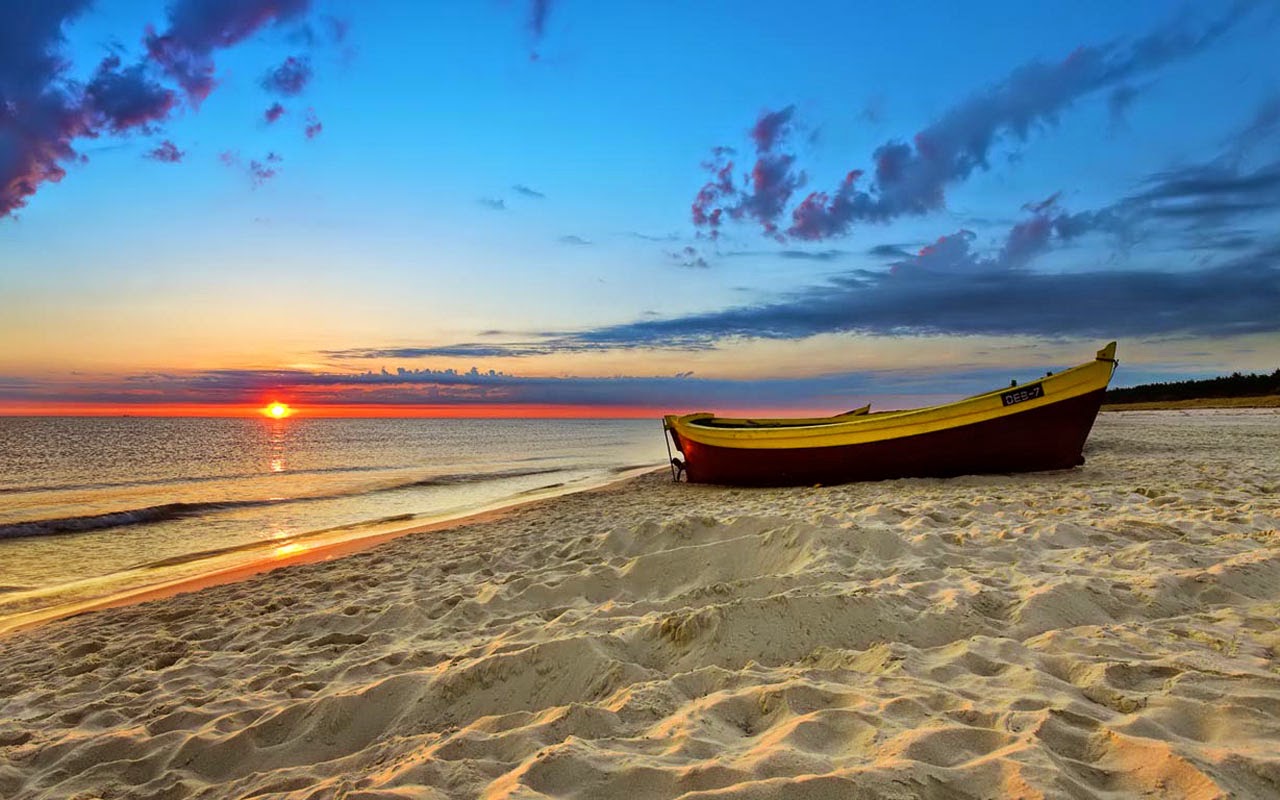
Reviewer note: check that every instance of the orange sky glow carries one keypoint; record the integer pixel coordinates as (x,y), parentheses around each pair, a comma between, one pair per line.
(336,411)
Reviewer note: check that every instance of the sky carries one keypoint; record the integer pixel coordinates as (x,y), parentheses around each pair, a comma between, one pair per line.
(573,208)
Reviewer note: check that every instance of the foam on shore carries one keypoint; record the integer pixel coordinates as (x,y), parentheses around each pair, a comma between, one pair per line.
(1105,631)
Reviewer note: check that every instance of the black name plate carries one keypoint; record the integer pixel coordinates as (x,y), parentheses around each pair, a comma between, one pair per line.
(1023,394)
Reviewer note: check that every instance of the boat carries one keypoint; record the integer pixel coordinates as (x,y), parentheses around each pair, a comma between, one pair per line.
(1039,425)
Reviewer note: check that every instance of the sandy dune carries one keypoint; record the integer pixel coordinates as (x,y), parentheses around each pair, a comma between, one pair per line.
(1110,631)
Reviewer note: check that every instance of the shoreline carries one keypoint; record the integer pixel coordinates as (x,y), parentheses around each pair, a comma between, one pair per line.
(300,549)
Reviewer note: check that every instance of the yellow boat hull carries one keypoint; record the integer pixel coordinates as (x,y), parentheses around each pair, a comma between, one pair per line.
(1039,425)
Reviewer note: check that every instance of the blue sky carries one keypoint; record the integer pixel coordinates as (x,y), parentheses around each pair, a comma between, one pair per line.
(484,193)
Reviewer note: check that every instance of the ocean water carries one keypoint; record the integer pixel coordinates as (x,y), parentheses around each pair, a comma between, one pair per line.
(93,506)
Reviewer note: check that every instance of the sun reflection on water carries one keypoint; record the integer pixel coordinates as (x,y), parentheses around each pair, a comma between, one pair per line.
(286,550)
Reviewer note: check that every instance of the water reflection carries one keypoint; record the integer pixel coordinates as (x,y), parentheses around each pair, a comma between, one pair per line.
(277,444)
(286,550)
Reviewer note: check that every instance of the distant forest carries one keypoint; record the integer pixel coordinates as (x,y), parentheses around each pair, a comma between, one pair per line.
(1233,385)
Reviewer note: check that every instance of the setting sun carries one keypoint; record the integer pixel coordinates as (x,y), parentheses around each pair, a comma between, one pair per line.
(277,410)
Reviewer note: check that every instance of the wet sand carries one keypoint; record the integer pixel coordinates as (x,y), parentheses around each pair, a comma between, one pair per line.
(1101,632)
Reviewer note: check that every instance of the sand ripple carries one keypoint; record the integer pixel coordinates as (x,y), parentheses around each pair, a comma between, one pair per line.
(1102,632)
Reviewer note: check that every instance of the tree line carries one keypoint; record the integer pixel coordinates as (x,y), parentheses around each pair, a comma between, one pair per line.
(1233,385)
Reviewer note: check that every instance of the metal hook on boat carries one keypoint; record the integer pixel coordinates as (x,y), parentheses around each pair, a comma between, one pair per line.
(677,466)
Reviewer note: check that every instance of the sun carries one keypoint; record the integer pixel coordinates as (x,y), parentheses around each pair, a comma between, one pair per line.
(277,410)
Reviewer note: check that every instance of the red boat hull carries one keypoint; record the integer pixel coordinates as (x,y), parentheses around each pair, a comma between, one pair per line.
(1044,438)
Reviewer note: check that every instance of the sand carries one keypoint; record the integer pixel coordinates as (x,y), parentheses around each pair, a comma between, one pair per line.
(1109,631)
(1260,401)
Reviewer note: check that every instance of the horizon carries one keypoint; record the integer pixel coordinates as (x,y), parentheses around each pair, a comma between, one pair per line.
(551,209)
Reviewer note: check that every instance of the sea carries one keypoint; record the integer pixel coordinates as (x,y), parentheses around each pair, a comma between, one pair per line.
(91,507)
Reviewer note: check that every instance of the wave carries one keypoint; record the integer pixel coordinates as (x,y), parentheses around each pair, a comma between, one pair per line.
(116,519)
(172,511)
(231,476)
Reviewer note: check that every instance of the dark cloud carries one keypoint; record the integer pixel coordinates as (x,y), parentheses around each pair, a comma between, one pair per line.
(313,126)
(688,256)
(520,188)
(1233,241)
(461,350)
(43,111)
(262,171)
(122,99)
(259,171)
(198,28)
(39,116)
(791,255)
(770,128)
(1211,190)
(950,291)
(479,387)
(911,178)
(813,255)
(290,78)
(539,10)
(889,251)
(494,203)
(576,241)
(1119,100)
(167,152)
(274,112)
(538,13)
(765,190)
(951,288)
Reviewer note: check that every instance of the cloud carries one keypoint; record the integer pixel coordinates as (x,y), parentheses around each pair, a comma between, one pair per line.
(290,78)
(274,112)
(647,237)
(576,241)
(951,287)
(1119,100)
(259,171)
(478,388)
(122,99)
(1210,194)
(43,111)
(770,127)
(313,126)
(766,190)
(539,10)
(167,152)
(197,28)
(262,171)
(910,179)
(39,116)
(493,203)
(951,291)
(790,255)
(520,188)
(538,13)
(688,256)
(888,251)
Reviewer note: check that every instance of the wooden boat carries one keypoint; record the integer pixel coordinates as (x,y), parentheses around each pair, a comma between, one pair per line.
(1039,425)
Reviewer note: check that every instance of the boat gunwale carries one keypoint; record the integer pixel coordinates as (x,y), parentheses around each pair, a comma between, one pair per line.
(1069,383)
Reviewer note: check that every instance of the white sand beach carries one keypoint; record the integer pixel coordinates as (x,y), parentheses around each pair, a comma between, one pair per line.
(1108,631)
